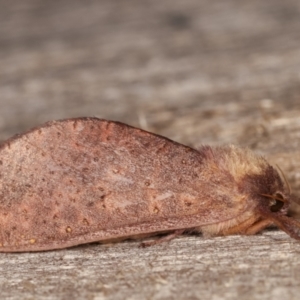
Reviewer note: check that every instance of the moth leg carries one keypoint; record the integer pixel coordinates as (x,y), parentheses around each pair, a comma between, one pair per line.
(163,239)
(260,225)
(241,228)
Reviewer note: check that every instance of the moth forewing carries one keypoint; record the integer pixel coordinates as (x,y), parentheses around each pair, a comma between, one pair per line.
(82,180)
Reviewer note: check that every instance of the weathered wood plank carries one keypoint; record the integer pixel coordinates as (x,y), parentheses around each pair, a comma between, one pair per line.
(195,71)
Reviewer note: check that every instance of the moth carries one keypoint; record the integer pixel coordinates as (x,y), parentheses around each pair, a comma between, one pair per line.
(84,180)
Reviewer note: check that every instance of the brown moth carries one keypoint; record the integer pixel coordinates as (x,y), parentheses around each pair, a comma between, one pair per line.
(83,180)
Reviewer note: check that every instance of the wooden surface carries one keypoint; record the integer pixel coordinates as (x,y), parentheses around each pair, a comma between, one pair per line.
(196,71)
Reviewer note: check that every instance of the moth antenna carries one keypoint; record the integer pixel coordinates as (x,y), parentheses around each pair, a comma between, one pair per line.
(289,225)
(274,197)
(285,179)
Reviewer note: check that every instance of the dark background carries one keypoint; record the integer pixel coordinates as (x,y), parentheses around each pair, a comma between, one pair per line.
(198,72)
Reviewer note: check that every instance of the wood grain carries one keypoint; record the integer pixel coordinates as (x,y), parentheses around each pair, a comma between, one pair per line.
(198,72)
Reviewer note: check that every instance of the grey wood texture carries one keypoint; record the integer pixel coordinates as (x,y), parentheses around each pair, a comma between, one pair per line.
(198,72)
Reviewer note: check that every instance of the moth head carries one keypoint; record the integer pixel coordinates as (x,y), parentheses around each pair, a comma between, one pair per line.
(274,206)
(274,192)
(277,202)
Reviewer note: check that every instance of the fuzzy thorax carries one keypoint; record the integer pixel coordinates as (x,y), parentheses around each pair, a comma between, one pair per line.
(239,162)
(246,176)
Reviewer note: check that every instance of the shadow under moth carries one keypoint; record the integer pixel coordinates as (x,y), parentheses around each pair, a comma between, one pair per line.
(83,180)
